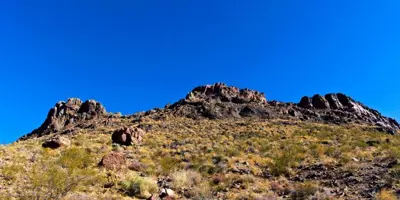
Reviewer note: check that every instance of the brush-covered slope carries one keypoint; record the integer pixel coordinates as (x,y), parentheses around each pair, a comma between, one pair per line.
(219,142)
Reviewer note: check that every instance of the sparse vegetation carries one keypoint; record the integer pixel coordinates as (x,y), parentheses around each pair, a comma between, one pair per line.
(203,158)
(386,195)
(186,179)
(138,186)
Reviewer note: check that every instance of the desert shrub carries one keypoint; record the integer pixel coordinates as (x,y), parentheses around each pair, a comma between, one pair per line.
(394,176)
(185,179)
(386,195)
(168,164)
(54,182)
(202,191)
(264,147)
(244,181)
(285,159)
(218,159)
(232,152)
(332,152)
(209,169)
(11,172)
(139,186)
(317,150)
(54,179)
(303,191)
(75,158)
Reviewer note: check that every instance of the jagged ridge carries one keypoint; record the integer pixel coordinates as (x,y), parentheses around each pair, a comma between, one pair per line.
(69,113)
(219,101)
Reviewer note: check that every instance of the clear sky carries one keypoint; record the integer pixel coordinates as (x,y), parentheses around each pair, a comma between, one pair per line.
(136,55)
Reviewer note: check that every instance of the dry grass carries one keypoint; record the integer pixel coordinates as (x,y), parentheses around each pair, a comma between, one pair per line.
(386,195)
(222,158)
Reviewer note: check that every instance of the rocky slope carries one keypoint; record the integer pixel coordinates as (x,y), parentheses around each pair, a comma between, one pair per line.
(218,142)
(220,101)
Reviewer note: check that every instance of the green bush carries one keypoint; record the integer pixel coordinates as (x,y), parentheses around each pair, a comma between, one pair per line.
(10,172)
(75,158)
(54,179)
(285,159)
(139,186)
(232,152)
(168,164)
(185,179)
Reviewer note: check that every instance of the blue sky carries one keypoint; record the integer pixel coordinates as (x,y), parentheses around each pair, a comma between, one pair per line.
(137,55)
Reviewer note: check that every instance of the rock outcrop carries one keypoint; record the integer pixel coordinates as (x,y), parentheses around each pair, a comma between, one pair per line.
(127,136)
(220,101)
(217,101)
(68,113)
(339,108)
(220,92)
(113,161)
(56,142)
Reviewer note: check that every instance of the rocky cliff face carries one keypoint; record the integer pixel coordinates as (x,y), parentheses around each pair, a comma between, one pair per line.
(339,108)
(220,92)
(69,113)
(220,101)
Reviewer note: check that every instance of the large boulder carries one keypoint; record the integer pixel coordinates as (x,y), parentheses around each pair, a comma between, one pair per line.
(344,100)
(319,102)
(127,136)
(92,108)
(333,101)
(56,142)
(113,161)
(305,102)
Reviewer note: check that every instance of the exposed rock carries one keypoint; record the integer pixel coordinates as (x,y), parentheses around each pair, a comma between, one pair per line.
(92,108)
(109,185)
(217,101)
(56,142)
(68,113)
(167,193)
(363,182)
(152,197)
(223,93)
(344,100)
(127,136)
(339,109)
(333,101)
(320,102)
(136,166)
(305,102)
(113,161)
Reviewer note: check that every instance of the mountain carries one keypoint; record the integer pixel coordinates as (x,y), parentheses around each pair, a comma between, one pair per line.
(220,101)
(219,142)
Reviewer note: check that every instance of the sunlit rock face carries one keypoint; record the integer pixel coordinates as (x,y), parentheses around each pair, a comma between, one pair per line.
(68,113)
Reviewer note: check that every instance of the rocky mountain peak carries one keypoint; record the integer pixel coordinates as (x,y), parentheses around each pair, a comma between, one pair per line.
(68,113)
(219,101)
(223,93)
(340,107)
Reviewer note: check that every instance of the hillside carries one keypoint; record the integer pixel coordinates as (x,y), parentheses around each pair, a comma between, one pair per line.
(219,142)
